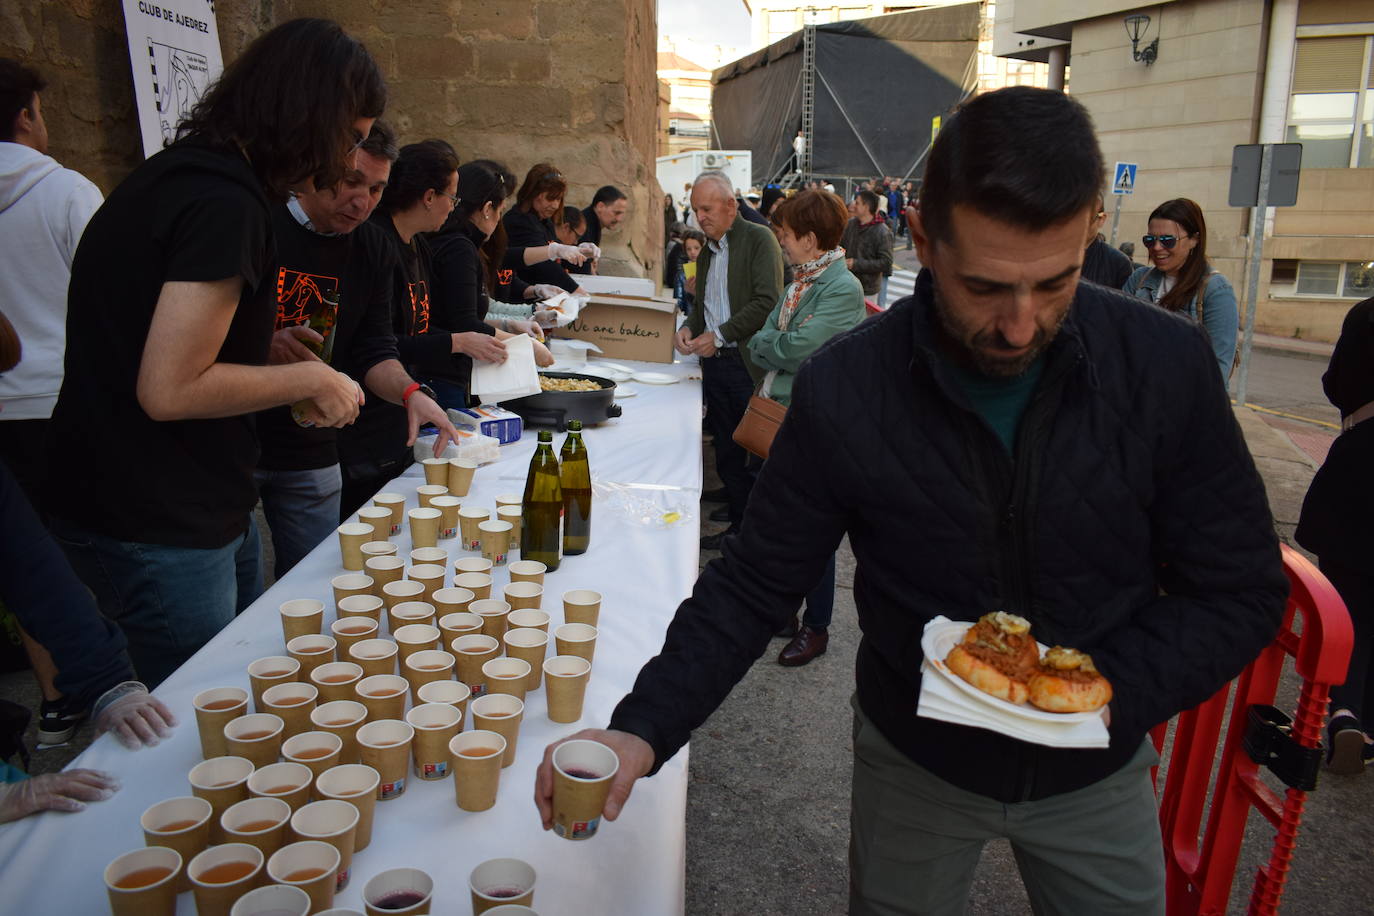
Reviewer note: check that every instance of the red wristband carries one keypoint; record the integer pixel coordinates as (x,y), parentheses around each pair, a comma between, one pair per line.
(410,389)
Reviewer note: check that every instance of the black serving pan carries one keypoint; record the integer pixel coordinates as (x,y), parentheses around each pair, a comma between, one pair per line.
(556,408)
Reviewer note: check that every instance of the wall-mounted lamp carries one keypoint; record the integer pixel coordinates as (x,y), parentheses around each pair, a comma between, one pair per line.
(1135,27)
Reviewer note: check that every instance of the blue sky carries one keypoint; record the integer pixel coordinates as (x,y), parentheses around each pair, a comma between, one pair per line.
(722,22)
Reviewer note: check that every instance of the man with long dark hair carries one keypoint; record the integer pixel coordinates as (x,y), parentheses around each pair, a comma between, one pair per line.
(1006,438)
(170,318)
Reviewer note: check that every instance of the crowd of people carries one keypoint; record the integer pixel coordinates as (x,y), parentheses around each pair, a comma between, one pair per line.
(1015,439)
(167,365)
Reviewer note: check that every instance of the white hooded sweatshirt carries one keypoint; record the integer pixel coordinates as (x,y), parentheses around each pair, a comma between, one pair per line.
(44,209)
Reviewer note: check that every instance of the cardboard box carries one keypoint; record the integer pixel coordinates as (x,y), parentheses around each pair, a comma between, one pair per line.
(489,420)
(627,327)
(617,286)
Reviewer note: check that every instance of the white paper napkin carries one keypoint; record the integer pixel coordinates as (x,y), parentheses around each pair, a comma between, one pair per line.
(941,700)
(515,378)
(564,305)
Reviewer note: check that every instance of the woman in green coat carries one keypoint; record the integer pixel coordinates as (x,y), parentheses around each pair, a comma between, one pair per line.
(823,300)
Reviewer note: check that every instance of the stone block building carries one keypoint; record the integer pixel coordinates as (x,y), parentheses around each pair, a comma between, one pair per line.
(570,82)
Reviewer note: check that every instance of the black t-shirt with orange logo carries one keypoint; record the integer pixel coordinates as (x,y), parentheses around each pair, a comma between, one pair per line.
(358,267)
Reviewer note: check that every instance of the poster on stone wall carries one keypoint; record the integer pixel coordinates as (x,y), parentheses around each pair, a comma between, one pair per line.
(174,52)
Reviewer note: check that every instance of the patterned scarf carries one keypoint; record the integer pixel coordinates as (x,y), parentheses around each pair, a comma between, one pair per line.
(805,275)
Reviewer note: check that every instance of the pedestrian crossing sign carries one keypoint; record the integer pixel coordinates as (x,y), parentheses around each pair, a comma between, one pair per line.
(1124,180)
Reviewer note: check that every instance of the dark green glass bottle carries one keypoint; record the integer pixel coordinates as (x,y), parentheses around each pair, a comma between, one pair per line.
(575,475)
(541,516)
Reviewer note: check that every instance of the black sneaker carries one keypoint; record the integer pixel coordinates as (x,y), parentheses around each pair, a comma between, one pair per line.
(57,723)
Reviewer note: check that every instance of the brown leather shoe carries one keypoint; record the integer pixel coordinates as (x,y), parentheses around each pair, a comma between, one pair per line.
(806,646)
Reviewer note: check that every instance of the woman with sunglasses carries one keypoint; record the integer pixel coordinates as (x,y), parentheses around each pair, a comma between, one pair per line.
(1181,280)
(532,233)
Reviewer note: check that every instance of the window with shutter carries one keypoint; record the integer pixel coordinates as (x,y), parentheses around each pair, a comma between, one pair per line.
(1331,107)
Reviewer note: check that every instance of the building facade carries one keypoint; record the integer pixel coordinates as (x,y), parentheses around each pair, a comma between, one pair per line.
(1230,72)
(689,104)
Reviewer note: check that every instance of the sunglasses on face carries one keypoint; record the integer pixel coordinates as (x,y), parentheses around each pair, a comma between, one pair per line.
(1167,242)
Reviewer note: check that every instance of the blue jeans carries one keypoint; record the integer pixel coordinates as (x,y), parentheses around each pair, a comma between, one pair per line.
(302,509)
(169,601)
(727,387)
(820,601)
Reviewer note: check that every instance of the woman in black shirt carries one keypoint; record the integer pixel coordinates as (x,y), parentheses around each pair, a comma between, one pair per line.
(532,234)
(466,252)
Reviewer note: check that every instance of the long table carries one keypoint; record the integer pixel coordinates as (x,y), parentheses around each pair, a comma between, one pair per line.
(53,863)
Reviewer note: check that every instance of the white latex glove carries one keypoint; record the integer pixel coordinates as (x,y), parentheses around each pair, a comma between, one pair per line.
(543,291)
(546,318)
(560,252)
(67,791)
(524,326)
(136,717)
(590,250)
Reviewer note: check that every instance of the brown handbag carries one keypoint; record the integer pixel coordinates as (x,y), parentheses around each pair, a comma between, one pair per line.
(760,424)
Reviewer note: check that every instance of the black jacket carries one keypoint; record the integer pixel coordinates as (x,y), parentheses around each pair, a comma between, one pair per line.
(525,230)
(1337,521)
(1131,476)
(1105,265)
(459,296)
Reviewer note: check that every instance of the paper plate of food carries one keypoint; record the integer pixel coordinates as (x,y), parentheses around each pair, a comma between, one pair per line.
(998,662)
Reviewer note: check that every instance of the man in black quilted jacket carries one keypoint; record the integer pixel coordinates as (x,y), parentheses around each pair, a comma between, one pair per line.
(1028,443)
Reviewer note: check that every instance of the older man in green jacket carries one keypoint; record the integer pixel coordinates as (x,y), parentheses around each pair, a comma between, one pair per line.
(739,279)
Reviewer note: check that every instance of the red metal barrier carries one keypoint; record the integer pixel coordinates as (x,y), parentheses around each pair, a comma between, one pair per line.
(1199,875)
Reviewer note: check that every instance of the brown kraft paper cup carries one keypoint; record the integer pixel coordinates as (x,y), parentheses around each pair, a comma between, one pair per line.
(523,595)
(430,575)
(217,899)
(292,703)
(318,750)
(400,592)
(581,605)
(495,541)
(259,822)
(335,680)
(411,880)
(307,856)
(408,612)
(382,570)
(436,472)
(356,784)
(500,713)
(493,612)
(266,672)
(565,686)
(576,639)
(375,656)
(301,617)
(582,774)
(182,824)
(470,653)
(276,900)
(512,515)
(451,600)
(448,507)
(429,665)
(221,781)
(288,781)
(331,821)
(156,899)
(469,517)
(349,632)
(352,537)
(429,556)
(378,548)
(504,876)
(479,583)
(257,738)
(471,565)
(435,725)
(527,570)
(311,652)
(425,494)
(385,746)
(379,517)
(342,718)
(367,607)
(460,471)
(232,703)
(530,646)
(476,773)
(396,503)
(358,583)
(528,618)
(424,527)
(506,675)
(458,624)
(415,637)
(451,693)
(384,695)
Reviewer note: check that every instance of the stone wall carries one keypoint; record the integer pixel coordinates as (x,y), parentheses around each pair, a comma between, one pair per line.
(571,82)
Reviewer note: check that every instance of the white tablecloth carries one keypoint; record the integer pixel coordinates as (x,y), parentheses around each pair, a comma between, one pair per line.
(52,863)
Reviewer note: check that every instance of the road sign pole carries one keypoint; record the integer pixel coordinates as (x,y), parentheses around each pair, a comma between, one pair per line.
(1116,219)
(1256,258)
